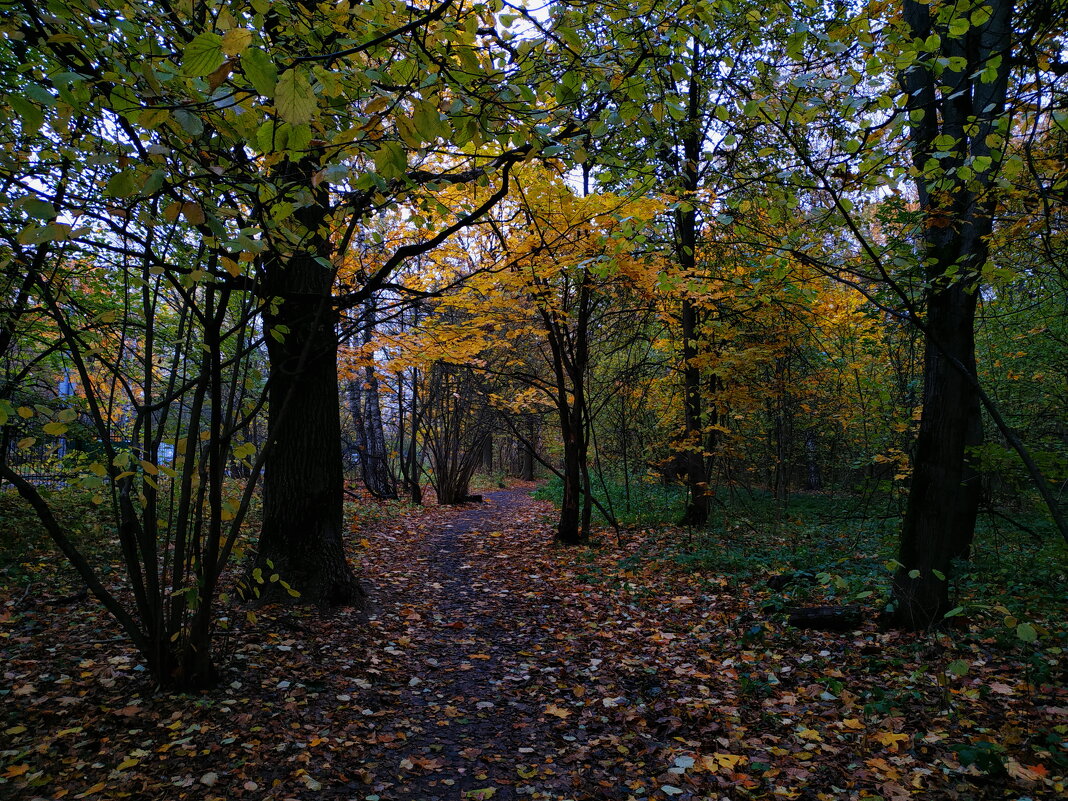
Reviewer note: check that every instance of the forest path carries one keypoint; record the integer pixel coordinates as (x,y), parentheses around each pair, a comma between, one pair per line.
(469,623)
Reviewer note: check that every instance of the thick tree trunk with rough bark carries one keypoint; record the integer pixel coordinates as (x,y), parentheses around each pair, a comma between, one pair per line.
(303,485)
(943,500)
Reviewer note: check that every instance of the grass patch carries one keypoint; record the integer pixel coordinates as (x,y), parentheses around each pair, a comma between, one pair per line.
(635,503)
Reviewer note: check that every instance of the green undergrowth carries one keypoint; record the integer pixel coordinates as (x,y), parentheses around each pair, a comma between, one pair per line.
(842,550)
(637,502)
(24,543)
(27,552)
(364,512)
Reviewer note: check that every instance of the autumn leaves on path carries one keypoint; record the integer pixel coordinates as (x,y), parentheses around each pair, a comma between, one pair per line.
(511,693)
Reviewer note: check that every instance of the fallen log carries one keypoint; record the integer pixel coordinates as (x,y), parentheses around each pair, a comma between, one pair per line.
(826,618)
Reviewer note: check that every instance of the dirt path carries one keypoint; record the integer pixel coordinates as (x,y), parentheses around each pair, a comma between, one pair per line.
(477,646)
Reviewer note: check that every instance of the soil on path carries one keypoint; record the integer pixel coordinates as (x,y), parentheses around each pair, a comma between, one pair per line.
(476,630)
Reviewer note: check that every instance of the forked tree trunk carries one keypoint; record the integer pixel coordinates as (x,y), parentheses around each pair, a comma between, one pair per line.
(965,108)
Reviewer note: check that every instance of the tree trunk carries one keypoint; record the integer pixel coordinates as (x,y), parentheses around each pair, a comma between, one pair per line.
(527,452)
(698,501)
(412,459)
(569,529)
(814,480)
(374,458)
(944,494)
(940,515)
(303,491)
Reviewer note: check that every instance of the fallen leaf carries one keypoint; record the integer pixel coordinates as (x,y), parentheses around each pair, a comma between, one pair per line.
(889,739)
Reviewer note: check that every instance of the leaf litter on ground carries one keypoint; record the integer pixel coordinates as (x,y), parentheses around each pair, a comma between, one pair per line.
(494,664)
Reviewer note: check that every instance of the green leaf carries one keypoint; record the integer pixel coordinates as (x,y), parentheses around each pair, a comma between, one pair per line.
(191,123)
(55,429)
(427,121)
(154,183)
(260,71)
(980,15)
(1026,632)
(203,55)
(123,101)
(391,161)
(31,117)
(39,209)
(407,130)
(956,610)
(958,667)
(36,234)
(294,98)
(959,27)
(121,184)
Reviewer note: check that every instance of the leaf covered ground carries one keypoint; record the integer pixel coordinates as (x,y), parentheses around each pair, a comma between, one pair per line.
(495,665)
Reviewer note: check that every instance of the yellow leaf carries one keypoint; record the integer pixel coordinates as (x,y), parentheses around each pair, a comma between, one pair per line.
(16,770)
(810,734)
(25,412)
(236,40)
(127,763)
(852,723)
(553,709)
(149,468)
(890,740)
(193,213)
(171,212)
(725,761)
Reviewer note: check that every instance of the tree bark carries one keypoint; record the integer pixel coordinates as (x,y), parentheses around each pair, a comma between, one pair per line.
(942,507)
(374,458)
(698,502)
(303,491)
(527,451)
(944,494)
